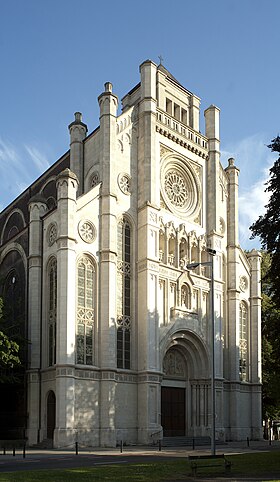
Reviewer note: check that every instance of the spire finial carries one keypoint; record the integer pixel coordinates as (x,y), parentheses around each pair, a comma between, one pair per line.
(160,59)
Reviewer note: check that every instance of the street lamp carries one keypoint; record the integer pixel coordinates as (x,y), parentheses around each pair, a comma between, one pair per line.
(192,266)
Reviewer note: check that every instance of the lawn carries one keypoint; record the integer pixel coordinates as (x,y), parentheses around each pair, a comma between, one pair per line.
(266,464)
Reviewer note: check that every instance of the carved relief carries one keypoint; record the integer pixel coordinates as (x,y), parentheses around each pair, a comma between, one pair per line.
(174,364)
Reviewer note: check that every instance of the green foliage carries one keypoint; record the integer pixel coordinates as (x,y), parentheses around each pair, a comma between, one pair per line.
(270,344)
(267,226)
(9,349)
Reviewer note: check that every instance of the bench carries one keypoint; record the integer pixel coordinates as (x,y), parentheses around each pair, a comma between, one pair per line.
(200,461)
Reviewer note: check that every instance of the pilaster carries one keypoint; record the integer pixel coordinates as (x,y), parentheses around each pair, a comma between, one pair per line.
(148,330)
(255,315)
(233,270)
(67,184)
(108,103)
(37,208)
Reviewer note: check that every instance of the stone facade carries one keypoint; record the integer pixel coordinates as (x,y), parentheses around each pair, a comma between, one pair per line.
(119,324)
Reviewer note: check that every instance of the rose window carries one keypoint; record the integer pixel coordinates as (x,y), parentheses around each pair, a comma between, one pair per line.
(180,188)
(176,188)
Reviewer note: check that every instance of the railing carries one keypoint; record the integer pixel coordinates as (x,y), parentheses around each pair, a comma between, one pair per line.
(187,132)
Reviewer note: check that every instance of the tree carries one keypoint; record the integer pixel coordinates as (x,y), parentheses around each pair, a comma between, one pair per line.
(267,227)
(270,345)
(9,349)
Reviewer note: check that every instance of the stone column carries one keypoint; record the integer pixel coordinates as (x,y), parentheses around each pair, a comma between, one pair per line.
(37,208)
(67,184)
(108,104)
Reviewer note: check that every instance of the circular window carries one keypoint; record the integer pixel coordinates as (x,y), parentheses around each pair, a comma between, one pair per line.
(87,231)
(180,188)
(243,283)
(124,181)
(52,234)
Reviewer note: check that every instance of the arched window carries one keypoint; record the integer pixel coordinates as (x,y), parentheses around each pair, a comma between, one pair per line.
(243,342)
(123,295)
(85,312)
(52,304)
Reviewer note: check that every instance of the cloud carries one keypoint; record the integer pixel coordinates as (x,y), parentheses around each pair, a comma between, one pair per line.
(19,167)
(38,158)
(254,160)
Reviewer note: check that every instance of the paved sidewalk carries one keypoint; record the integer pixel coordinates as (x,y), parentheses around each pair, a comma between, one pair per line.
(227,448)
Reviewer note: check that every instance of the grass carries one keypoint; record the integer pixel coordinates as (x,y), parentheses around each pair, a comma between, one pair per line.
(254,464)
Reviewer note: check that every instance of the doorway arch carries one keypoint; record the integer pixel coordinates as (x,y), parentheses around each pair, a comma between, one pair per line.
(51,407)
(185,389)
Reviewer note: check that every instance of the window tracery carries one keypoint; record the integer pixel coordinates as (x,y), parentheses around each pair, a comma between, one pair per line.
(123,294)
(243,342)
(52,309)
(85,317)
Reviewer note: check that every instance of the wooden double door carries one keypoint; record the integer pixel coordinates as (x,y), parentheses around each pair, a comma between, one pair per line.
(173,411)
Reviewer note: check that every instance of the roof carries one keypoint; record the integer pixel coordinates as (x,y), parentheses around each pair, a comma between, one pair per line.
(171,77)
(166,72)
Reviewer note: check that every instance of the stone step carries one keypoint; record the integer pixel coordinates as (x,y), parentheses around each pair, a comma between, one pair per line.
(44,444)
(185,441)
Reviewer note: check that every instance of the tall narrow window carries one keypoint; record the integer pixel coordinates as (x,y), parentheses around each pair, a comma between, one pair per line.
(123,295)
(243,342)
(85,312)
(52,310)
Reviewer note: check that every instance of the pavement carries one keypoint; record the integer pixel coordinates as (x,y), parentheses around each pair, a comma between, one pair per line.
(88,456)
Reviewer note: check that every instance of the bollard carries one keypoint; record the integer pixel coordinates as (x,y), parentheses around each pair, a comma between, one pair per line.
(193,444)
(159,445)
(121,446)
(23,451)
(4,450)
(14,451)
(248,442)
(76,445)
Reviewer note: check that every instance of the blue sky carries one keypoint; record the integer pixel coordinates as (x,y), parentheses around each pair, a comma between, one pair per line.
(56,56)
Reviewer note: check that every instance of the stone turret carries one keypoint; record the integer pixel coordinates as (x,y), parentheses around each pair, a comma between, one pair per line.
(108,104)
(78,132)
(148,176)
(233,173)
(212,131)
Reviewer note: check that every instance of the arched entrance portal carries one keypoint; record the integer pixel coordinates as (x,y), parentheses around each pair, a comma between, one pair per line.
(185,390)
(50,414)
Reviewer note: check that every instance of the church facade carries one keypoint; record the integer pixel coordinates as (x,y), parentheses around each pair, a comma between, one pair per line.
(107,260)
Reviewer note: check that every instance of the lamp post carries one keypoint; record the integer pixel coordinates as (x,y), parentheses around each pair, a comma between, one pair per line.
(192,266)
